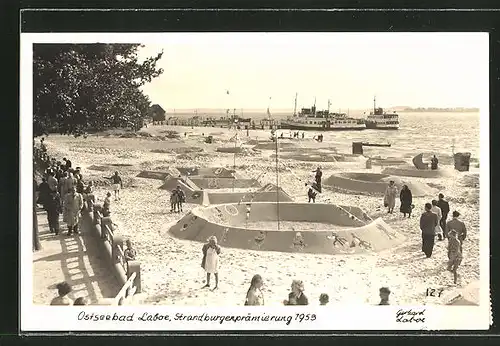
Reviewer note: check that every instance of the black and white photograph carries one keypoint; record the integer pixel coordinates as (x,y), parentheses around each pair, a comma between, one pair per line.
(184,177)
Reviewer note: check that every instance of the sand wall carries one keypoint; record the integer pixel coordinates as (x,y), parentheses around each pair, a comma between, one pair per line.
(243,197)
(224,221)
(374,184)
(417,173)
(224,183)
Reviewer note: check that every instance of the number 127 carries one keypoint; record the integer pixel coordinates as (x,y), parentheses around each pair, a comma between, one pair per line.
(431,292)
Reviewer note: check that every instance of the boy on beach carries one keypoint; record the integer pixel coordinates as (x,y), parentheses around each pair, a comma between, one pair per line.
(454,254)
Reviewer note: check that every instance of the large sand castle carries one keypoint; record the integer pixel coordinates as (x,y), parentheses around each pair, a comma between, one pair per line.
(335,229)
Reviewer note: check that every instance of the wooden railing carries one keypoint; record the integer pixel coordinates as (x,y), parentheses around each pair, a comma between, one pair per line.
(128,273)
(114,246)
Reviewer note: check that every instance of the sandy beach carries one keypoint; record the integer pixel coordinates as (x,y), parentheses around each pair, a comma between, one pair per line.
(171,271)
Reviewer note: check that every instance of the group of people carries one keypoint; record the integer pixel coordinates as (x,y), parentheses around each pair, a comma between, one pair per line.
(62,190)
(211,252)
(177,198)
(316,186)
(433,222)
(63,291)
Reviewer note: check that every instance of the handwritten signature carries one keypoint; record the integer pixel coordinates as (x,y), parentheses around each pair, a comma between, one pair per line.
(410,316)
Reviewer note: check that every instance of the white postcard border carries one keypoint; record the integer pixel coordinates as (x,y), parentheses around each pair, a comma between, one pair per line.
(333,317)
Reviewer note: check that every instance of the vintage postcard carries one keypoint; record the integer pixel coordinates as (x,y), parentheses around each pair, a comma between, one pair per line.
(254,181)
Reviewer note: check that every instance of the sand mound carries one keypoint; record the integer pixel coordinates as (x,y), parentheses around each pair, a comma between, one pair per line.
(389,161)
(232,150)
(373,184)
(318,157)
(224,183)
(409,171)
(470,180)
(272,145)
(247,197)
(153,175)
(99,168)
(343,232)
(209,172)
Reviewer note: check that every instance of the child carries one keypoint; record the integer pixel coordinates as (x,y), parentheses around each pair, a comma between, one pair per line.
(210,262)
(174,198)
(384,293)
(63,289)
(454,254)
(107,204)
(323,299)
(130,252)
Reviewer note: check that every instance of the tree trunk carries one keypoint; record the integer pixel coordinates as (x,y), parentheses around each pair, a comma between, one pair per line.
(36,239)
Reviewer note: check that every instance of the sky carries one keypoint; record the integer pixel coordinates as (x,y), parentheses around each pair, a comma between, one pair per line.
(349,69)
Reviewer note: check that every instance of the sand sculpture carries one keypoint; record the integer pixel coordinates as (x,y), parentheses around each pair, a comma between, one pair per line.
(346,229)
(373,184)
(199,189)
(153,175)
(409,171)
(419,163)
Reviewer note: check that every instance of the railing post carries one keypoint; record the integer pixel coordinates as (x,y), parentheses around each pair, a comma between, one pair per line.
(106,226)
(117,242)
(135,267)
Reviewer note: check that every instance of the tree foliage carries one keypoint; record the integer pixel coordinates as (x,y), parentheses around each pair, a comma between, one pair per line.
(83,87)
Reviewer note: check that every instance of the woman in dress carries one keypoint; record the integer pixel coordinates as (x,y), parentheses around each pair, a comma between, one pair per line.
(63,289)
(210,261)
(73,204)
(296,296)
(406,199)
(390,197)
(254,294)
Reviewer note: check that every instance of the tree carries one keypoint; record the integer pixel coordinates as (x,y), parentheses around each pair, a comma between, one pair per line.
(90,87)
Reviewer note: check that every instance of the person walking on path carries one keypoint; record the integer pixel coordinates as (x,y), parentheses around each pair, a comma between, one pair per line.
(436,210)
(117,184)
(54,209)
(254,293)
(428,223)
(390,197)
(63,289)
(459,226)
(296,296)
(210,261)
(454,254)
(445,209)
(406,200)
(52,181)
(73,204)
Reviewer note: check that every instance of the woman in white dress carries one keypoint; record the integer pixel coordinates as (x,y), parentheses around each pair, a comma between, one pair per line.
(210,261)
(390,197)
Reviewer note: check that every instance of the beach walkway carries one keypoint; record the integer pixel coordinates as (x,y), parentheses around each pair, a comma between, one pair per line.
(76,259)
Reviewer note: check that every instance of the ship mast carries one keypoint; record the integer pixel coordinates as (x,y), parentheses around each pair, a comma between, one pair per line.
(295,108)
(329,103)
(374,104)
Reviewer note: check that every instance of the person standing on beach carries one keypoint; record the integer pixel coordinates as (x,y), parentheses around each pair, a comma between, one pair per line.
(390,197)
(117,184)
(434,163)
(311,195)
(296,296)
(210,261)
(254,293)
(458,226)
(174,198)
(181,198)
(454,254)
(436,210)
(73,204)
(406,200)
(317,178)
(428,223)
(445,209)
(384,293)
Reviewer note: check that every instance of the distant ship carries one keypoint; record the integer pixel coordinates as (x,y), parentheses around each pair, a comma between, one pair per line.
(311,119)
(381,120)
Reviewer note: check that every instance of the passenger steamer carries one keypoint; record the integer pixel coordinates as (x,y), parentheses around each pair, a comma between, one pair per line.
(381,120)
(311,119)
